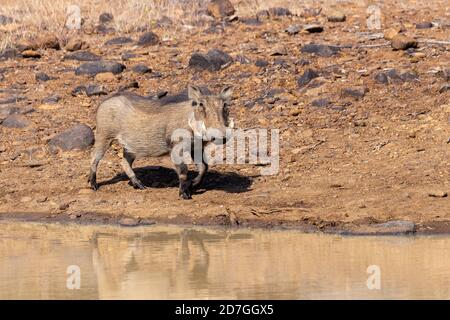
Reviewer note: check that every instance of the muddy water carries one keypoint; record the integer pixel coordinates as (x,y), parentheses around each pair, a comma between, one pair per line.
(187,263)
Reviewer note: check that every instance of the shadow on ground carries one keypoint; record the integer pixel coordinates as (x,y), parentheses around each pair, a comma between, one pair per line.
(162,177)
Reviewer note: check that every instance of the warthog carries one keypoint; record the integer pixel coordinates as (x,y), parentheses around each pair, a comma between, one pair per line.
(147,128)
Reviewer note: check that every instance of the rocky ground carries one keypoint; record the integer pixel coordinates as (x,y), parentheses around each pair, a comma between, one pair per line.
(363,116)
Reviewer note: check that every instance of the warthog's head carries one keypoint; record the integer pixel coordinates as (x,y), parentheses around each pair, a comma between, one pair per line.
(209,117)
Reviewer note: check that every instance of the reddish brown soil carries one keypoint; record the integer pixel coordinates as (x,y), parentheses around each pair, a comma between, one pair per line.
(378,159)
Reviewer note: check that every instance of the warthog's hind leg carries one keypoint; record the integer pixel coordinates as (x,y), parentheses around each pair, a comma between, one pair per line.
(100,148)
(127,162)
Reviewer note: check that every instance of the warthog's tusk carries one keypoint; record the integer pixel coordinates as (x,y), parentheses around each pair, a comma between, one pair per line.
(231,125)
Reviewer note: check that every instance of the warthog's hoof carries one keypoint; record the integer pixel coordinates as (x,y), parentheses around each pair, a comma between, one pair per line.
(137,184)
(185,190)
(93,181)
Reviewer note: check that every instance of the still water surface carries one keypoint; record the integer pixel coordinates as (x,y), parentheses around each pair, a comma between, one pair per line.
(163,262)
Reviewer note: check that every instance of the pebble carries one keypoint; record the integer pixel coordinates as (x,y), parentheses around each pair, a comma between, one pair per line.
(118,41)
(313,28)
(402,42)
(82,56)
(293,29)
(306,77)
(93,68)
(141,69)
(220,9)
(438,194)
(78,137)
(321,50)
(336,16)
(129,222)
(148,39)
(424,25)
(16,121)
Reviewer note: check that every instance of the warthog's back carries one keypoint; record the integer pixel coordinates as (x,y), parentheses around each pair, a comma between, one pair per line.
(142,125)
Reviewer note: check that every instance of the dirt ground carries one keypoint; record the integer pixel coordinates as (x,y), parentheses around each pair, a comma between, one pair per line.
(349,160)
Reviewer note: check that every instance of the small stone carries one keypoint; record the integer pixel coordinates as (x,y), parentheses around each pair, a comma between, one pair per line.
(128,56)
(25,199)
(261,63)
(103,28)
(424,25)
(31,54)
(293,29)
(444,88)
(82,56)
(321,50)
(164,22)
(313,28)
(279,12)
(106,77)
(306,77)
(105,17)
(78,137)
(438,194)
(141,69)
(381,77)
(129,222)
(95,90)
(118,41)
(262,15)
(93,68)
(63,206)
(402,42)
(75,44)
(390,33)
(16,121)
(148,39)
(321,103)
(357,92)
(4,20)
(8,53)
(220,9)
(336,16)
(278,50)
(41,199)
(214,60)
(41,76)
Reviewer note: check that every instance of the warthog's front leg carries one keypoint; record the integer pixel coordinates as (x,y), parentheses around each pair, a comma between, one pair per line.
(185,184)
(201,165)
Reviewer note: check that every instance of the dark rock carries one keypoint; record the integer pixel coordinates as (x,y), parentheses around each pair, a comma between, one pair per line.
(382,77)
(118,41)
(445,74)
(104,29)
(9,53)
(41,76)
(128,55)
(82,56)
(306,77)
(261,63)
(95,90)
(424,25)
(141,68)
(321,50)
(75,44)
(409,76)
(251,21)
(13,99)
(279,12)
(213,60)
(444,88)
(89,90)
(130,85)
(148,39)
(78,137)
(5,20)
(16,121)
(129,222)
(105,17)
(262,15)
(302,62)
(52,99)
(164,22)
(93,68)
(313,28)
(321,103)
(293,29)
(220,9)
(357,92)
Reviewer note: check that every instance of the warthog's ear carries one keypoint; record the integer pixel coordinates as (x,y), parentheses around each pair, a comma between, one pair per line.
(194,93)
(226,93)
